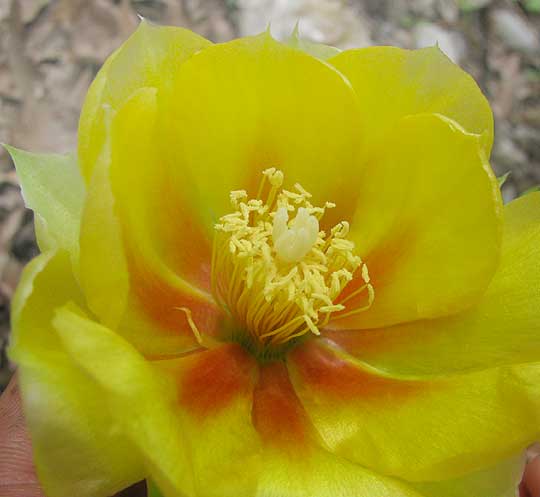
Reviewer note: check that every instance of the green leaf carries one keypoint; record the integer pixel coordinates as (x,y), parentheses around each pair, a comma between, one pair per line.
(53,188)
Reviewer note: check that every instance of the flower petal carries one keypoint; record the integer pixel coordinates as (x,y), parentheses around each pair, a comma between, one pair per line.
(149,58)
(504,328)
(53,188)
(500,480)
(392,83)
(416,429)
(78,449)
(33,304)
(427,224)
(321,474)
(131,385)
(240,107)
(214,398)
(318,50)
(102,247)
(141,297)
(157,227)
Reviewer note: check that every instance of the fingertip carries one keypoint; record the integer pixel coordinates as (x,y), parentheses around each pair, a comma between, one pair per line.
(531,477)
(17,473)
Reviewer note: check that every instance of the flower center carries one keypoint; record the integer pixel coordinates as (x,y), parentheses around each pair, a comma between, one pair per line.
(275,272)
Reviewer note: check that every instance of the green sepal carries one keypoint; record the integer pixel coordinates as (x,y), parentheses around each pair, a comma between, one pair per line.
(502,179)
(53,188)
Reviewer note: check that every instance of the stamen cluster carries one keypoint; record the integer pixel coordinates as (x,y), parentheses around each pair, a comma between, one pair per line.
(280,279)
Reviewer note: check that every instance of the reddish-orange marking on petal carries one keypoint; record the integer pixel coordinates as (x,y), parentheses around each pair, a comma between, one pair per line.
(382,263)
(183,237)
(277,413)
(213,379)
(385,259)
(160,301)
(327,373)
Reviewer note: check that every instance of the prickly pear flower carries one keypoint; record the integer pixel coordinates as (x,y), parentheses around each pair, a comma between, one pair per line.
(274,269)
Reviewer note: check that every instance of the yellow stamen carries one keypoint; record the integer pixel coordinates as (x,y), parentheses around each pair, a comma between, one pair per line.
(191,323)
(275,271)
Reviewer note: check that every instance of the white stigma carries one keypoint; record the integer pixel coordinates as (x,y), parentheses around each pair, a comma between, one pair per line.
(293,242)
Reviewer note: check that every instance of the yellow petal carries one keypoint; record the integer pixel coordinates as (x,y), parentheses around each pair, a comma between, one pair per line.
(149,58)
(157,227)
(417,429)
(427,224)
(78,449)
(108,215)
(53,188)
(504,328)
(102,247)
(321,474)
(392,83)
(319,50)
(500,480)
(253,103)
(166,260)
(142,296)
(34,303)
(140,400)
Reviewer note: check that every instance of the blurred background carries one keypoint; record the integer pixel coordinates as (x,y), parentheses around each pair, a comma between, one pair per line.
(50,50)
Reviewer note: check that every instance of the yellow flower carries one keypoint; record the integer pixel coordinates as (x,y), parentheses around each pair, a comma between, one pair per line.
(269,274)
